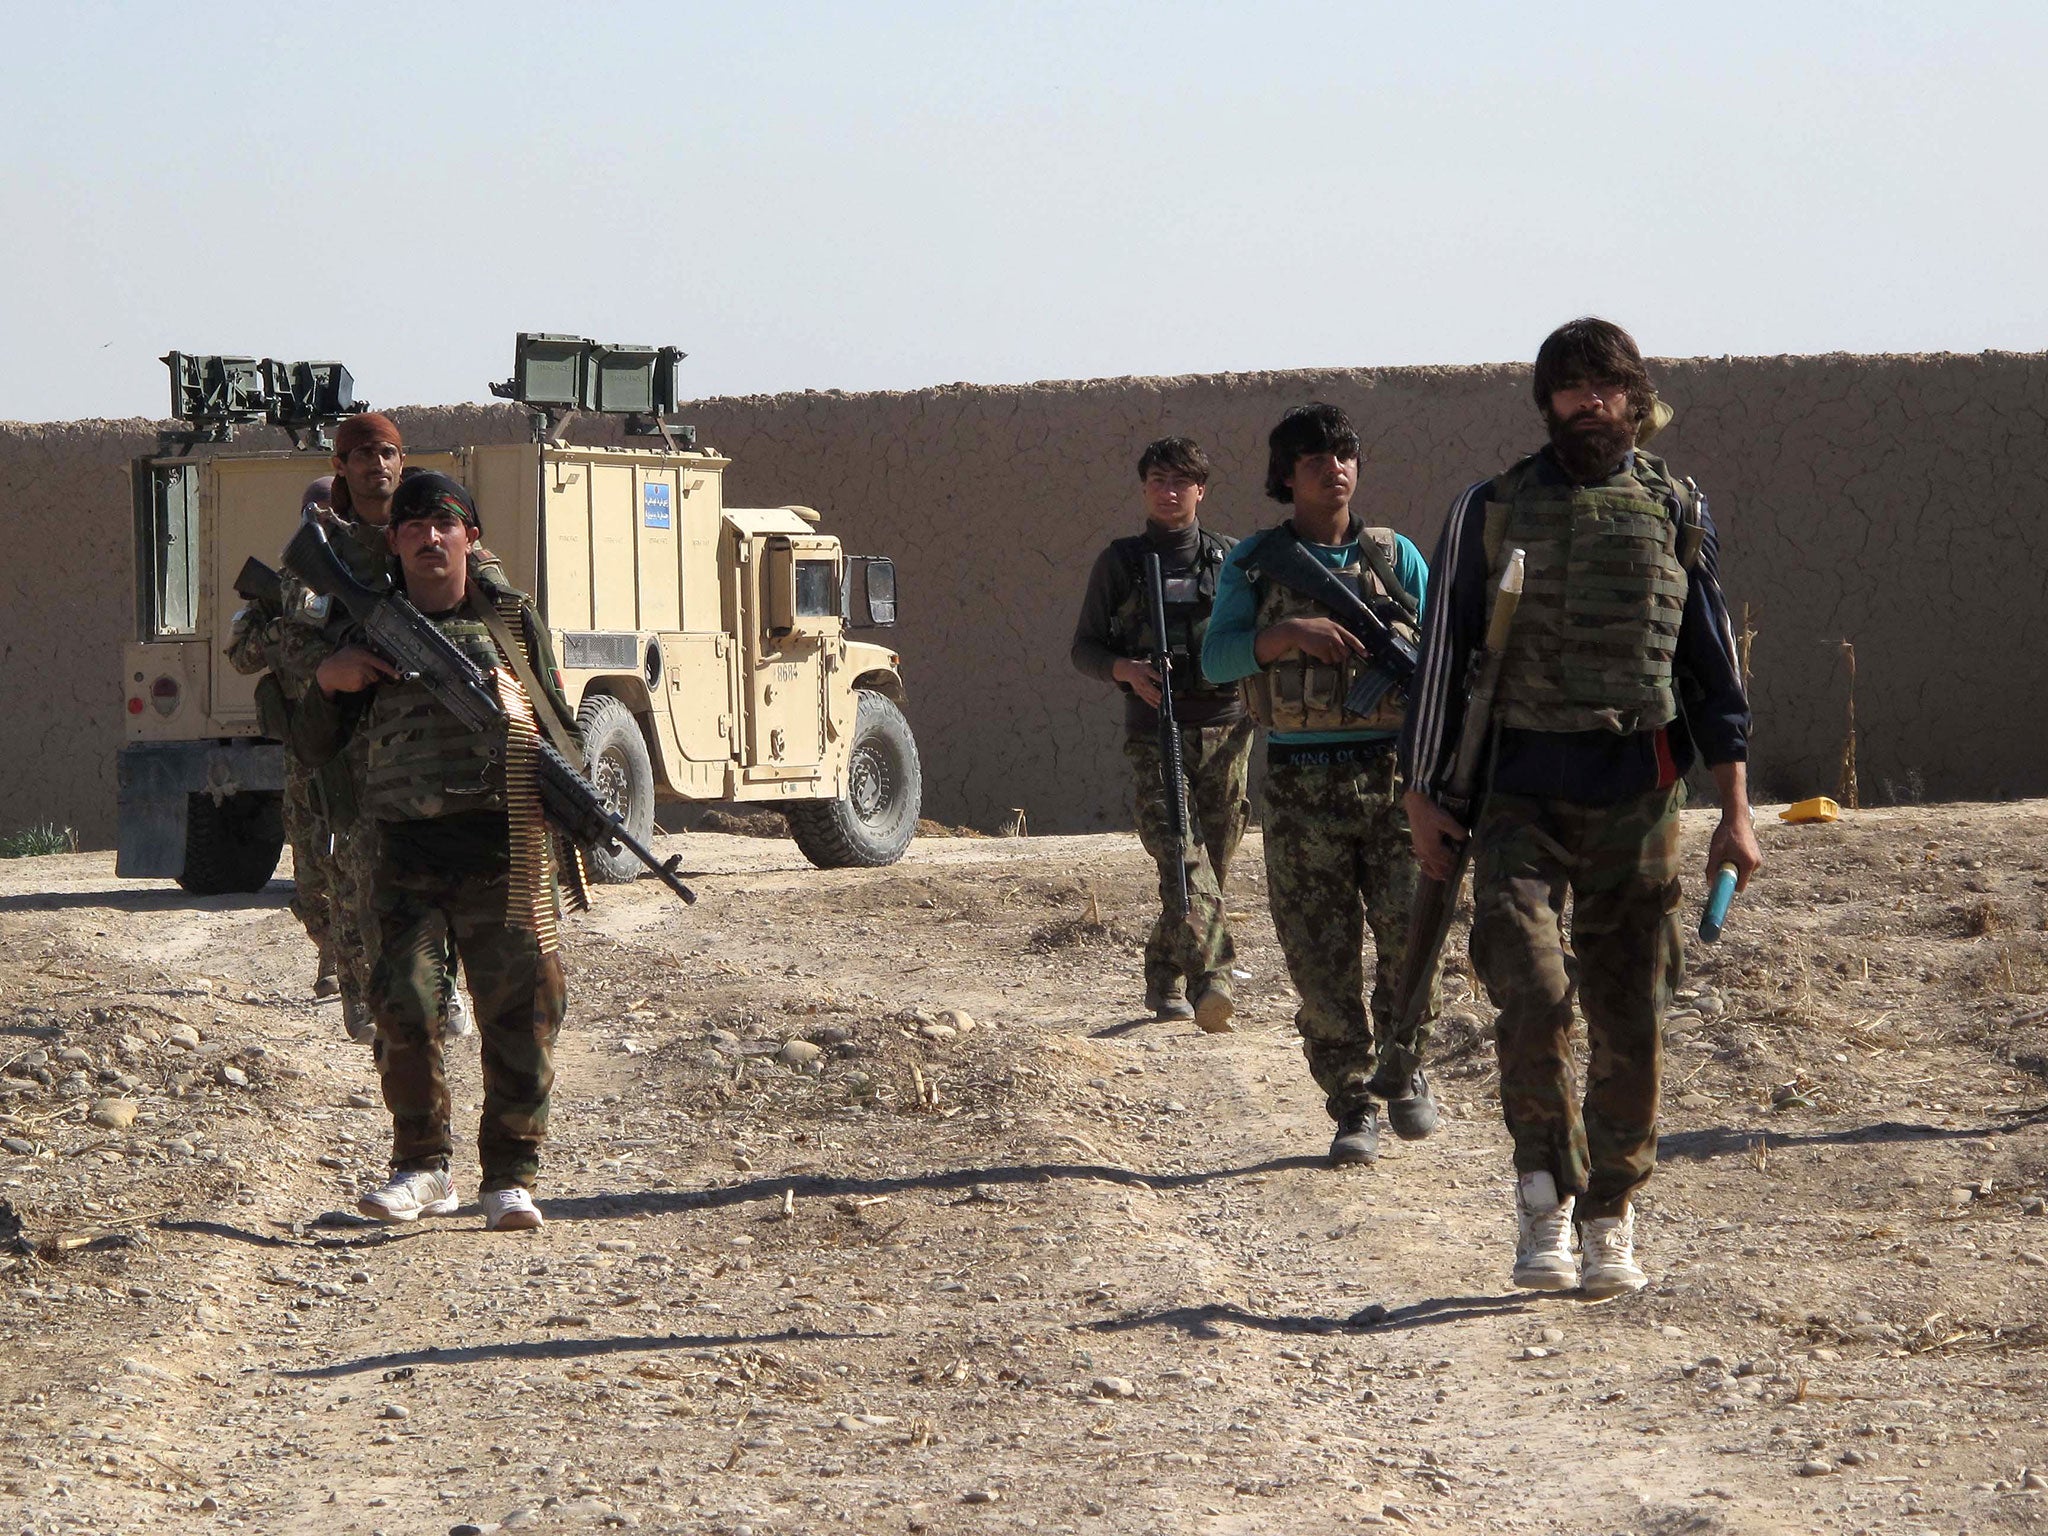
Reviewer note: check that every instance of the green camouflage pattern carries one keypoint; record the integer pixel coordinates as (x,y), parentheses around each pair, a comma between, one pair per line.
(1619,865)
(1215,763)
(1338,859)
(305,828)
(520,997)
(1604,594)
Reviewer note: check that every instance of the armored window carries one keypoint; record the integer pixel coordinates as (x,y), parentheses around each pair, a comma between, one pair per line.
(817,589)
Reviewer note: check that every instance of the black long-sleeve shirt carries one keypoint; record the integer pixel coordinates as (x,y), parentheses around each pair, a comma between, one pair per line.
(1585,767)
(1095,650)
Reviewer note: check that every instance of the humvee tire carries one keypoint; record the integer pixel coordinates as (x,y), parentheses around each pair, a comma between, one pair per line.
(232,846)
(615,760)
(873,824)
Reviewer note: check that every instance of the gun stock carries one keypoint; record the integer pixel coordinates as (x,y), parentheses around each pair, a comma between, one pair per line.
(259,584)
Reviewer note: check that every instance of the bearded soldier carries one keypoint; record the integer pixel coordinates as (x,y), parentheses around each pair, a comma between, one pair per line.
(259,644)
(1619,674)
(462,855)
(1189,954)
(369,464)
(1337,854)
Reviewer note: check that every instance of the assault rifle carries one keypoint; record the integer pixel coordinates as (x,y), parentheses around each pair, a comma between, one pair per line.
(1429,919)
(1392,657)
(399,633)
(1170,775)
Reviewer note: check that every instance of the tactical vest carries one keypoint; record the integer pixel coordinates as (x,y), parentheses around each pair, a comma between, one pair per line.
(1602,598)
(1190,597)
(1299,693)
(422,762)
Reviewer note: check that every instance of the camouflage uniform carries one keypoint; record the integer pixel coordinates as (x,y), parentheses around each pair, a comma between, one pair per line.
(436,812)
(264,641)
(1337,858)
(1621,618)
(348,870)
(1215,762)
(1620,865)
(520,999)
(1216,740)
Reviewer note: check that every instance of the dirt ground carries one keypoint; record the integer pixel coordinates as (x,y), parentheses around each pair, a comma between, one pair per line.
(824,1256)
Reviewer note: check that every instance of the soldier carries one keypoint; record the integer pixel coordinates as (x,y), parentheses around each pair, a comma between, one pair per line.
(1187,956)
(369,464)
(1337,852)
(461,857)
(253,648)
(1619,674)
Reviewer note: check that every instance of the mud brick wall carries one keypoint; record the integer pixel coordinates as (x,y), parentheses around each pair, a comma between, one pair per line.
(1893,501)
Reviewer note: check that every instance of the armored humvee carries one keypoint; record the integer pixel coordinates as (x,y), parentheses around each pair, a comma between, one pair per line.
(707,648)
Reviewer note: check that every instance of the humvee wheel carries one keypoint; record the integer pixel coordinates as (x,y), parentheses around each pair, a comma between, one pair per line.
(233,845)
(615,759)
(884,791)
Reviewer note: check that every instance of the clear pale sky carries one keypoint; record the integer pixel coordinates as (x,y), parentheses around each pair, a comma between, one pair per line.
(888,196)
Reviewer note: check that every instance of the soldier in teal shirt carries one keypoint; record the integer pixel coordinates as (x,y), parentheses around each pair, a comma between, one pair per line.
(1338,854)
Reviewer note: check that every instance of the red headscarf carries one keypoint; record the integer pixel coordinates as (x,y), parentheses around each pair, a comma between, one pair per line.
(368,427)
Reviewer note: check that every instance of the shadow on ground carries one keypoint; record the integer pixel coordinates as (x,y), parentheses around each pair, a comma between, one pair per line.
(812,1187)
(1721,1140)
(1201,1322)
(561,1349)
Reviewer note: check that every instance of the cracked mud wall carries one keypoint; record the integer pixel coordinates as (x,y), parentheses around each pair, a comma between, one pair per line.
(1894,501)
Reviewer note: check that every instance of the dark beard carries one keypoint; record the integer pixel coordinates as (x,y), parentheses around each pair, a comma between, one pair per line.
(1589,447)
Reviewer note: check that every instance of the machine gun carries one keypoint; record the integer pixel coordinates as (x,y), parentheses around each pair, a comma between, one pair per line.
(399,633)
(1171,777)
(1391,656)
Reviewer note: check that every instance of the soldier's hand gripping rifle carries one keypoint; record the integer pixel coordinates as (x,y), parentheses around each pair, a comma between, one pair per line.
(1172,780)
(399,633)
(1392,656)
(1429,919)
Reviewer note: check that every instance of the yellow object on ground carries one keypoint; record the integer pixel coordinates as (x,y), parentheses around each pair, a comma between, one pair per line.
(1819,808)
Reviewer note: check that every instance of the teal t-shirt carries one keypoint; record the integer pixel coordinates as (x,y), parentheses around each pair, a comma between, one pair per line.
(1233,624)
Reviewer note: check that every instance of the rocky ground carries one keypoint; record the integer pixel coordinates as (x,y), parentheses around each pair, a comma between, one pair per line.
(872,1207)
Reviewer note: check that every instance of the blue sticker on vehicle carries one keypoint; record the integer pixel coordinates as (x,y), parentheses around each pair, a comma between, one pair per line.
(654,504)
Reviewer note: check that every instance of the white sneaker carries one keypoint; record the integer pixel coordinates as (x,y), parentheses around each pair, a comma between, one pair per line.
(456,1022)
(510,1210)
(1608,1245)
(409,1196)
(1543,1242)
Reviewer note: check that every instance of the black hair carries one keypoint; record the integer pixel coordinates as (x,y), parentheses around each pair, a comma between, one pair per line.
(1307,429)
(429,492)
(1589,350)
(1180,455)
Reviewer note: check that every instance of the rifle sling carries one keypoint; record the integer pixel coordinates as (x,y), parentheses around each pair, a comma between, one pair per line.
(522,668)
(1377,559)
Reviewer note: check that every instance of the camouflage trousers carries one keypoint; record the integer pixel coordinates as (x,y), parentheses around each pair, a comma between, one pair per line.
(1338,858)
(1619,864)
(520,998)
(358,850)
(305,828)
(1215,763)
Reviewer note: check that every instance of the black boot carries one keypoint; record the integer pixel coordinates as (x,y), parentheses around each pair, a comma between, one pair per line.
(1412,1112)
(1168,999)
(1358,1137)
